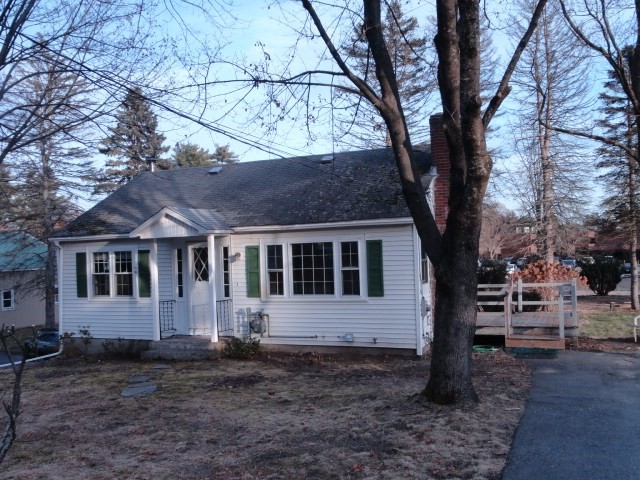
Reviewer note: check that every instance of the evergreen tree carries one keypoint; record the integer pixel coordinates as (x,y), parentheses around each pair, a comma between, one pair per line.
(191,155)
(360,124)
(223,154)
(133,144)
(622,201)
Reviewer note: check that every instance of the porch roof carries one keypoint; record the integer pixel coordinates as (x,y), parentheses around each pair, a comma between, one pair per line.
(317,189)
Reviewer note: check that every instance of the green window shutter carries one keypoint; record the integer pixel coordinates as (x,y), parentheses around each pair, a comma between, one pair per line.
(252,256)
(375,279)
(81,274)
(144,274)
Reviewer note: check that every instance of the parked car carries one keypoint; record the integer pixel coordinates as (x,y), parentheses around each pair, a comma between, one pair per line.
(512,268)
(46,340)
(569,262)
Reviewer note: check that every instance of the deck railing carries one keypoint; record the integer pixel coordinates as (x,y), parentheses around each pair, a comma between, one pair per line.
(562,304)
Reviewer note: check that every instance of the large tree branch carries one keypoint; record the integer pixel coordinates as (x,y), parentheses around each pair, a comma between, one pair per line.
(363,86)
(629,150)
(504,88)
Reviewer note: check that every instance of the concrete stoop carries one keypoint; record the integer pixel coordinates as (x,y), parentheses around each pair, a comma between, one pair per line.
(183,348)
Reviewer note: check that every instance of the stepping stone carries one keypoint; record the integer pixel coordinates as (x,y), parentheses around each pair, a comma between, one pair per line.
(139,379)
(139,390)
(161,366)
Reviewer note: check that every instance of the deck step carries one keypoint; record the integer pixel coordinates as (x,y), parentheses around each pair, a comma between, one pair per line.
(535,342)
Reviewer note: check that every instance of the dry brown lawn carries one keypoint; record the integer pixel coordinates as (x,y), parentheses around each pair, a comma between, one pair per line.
(305,416)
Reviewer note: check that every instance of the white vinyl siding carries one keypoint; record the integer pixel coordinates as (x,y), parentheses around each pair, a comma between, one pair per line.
(105,317)
(165,271)
(388,321)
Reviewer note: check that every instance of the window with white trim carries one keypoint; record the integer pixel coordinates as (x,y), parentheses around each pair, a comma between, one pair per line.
(350,268)
(226,274)
(101,281)
(424,266)
(8,299)
(275,270)
(312,268)
(124,274)
(180,279)
(112,274)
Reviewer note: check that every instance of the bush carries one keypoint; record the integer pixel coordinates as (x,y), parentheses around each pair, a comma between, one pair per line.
(603,275)
(528,296)
(242,348)
(492,271)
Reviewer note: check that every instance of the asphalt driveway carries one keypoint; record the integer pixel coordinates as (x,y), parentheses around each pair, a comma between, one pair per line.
(582,420)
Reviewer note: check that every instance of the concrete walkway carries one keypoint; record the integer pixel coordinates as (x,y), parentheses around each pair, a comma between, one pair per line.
(582,420)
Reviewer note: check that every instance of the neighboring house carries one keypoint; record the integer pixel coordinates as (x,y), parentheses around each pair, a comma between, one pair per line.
(22,260)
(323,245)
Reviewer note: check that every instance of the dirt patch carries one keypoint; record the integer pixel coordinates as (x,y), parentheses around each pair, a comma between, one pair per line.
(278,417)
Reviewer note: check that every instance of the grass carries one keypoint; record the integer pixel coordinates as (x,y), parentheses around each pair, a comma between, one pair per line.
(607,324)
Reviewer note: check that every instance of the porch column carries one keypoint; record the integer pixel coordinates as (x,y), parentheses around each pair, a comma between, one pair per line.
(213,312)
(155,290)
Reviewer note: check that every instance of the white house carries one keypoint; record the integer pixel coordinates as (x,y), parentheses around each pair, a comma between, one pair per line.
(323,246)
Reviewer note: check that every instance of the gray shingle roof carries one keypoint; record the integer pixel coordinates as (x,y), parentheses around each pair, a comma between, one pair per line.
(360,185)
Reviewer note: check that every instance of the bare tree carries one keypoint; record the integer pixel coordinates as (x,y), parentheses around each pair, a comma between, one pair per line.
(550,179)
(612,33)
(498,230)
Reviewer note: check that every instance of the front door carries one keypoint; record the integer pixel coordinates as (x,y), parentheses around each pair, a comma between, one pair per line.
(199,322)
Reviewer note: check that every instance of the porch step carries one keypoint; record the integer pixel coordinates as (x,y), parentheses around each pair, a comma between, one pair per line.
(529,341)
(183,348)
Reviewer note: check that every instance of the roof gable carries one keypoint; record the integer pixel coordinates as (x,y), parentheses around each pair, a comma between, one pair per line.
(180,222)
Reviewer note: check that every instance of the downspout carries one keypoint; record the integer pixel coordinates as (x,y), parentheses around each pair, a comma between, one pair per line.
(36,359)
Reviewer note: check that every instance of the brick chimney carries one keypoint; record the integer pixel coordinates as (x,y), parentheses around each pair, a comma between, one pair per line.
(440,160)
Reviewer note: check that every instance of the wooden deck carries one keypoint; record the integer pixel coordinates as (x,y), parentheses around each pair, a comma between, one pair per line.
(547,327)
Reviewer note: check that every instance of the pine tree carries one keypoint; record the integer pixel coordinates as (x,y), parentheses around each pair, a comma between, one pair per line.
(133,144)
(622,202)
(360,125)
(191,155)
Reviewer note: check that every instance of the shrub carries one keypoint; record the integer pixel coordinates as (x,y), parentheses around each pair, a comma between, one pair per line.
(543,272)
(603,275)
(492,271)
(528,296)
(242,348)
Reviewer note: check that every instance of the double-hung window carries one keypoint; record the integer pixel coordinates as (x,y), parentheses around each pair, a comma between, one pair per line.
(112,272)
(275,270)
(124,274)
(312,268)
(101,282)
(350,268)
(8,300)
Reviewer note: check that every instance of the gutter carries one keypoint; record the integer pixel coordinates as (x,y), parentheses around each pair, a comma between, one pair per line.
(382,222)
